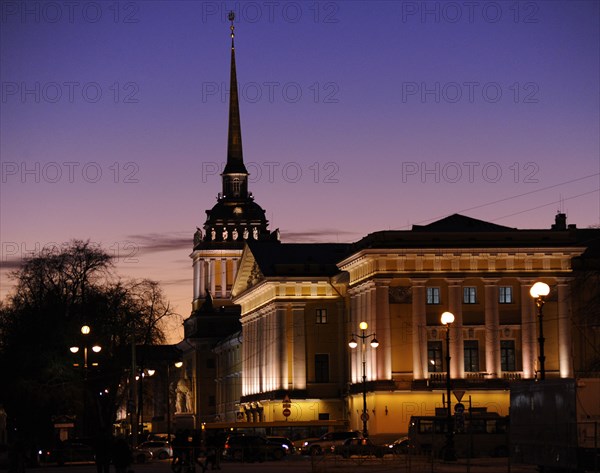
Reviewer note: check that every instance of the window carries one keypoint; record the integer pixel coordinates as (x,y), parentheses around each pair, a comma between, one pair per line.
(236,188)
(321,316)
(469,295)
(507,355)
(321,368)
(471,355)
(505,295)
(434,356)
(433,295)
(323,416)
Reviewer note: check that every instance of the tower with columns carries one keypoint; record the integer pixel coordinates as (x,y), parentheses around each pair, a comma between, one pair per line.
(235,219)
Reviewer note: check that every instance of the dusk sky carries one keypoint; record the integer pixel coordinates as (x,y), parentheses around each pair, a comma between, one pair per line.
(356,117)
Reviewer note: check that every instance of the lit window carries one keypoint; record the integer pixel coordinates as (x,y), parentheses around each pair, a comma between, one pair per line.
(469,295)
(434,356)
(321,316)
(433,295)
(505,295)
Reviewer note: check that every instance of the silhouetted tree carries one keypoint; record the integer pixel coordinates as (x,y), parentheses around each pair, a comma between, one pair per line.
(56,292)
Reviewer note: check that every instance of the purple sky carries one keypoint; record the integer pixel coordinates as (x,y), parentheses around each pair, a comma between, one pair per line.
(356,117)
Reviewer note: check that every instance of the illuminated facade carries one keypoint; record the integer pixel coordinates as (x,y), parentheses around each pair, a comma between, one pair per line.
(300,305)
(267,341)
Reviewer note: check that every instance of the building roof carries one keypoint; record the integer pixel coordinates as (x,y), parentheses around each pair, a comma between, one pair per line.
(460,223)
(298,259)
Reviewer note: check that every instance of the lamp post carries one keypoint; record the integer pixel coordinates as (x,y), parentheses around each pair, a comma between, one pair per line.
(449,454)
(538,291)
(85,331)
(353,344)
(141,376)
(177,364)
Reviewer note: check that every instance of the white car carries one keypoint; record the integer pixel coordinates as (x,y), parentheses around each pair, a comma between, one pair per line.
(160,449)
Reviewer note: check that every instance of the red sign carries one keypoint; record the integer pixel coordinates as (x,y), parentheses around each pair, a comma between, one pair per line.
(287,412)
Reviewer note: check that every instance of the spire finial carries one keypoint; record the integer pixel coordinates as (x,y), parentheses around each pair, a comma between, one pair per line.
(231,17)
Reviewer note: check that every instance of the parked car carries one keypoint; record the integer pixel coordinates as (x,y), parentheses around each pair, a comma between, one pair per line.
(360,447)
(69,451)
(326,442)
(141,455)
(160,449)
(240,447)
(400,445)
(285,442)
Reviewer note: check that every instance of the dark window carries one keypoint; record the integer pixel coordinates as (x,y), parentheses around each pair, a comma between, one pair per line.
(321,316)
(321,368)
(211,401)
(507,355)
(323,416)
(505,295)
(434,356)
(210,363)
(469,295)
(433,295)
(236,187)
(471,355)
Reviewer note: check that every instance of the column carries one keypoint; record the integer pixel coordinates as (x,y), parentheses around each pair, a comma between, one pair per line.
(457,353)
(234,268)
(202,277)
(211,276)
(282,357)
(223,278)
(299,347)
(384,329)
(197,278)
(528,329)
(419,329)
(352,322)
(565,355)
(370,352)
(492,329)
(245,359)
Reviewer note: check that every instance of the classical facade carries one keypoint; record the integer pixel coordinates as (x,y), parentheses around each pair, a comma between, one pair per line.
(267,341)
(301,304)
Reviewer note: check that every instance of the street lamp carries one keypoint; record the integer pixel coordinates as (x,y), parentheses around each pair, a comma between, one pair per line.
(449,455)
(140,377)
(353,344)
(538,291)
(85,331)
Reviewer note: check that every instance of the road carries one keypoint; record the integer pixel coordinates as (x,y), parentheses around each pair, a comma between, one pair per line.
(330,464)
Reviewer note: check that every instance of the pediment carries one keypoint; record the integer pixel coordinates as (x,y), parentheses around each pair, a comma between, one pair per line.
(249,273)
